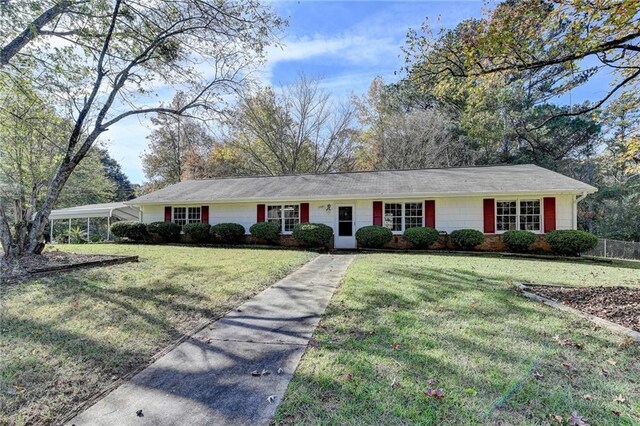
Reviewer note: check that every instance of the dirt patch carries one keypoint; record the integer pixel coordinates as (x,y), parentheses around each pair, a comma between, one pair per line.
(53,260)
(617,304)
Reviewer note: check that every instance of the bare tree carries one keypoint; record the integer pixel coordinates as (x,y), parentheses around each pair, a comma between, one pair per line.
(113,59)
(300,130)
(418,139)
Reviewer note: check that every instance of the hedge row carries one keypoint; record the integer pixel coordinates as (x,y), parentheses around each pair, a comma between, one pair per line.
(568,242)
(308,234)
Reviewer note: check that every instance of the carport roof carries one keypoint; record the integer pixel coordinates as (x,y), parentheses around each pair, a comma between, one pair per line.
(119,210)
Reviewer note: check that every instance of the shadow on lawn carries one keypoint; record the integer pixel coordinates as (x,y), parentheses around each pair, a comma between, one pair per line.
(470,331)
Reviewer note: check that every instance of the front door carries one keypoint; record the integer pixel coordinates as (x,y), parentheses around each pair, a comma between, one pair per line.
(346,236)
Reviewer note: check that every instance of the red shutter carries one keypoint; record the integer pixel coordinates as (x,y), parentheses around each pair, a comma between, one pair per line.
(430,214)
(489,216)
(304,212)
(204,214)
(260,212)
(377,213)
(167,213)
(549,214)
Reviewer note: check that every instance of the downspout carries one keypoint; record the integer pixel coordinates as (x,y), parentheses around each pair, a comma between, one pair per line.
(575,208)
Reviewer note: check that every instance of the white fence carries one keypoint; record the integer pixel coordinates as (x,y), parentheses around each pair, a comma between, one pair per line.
(616,248)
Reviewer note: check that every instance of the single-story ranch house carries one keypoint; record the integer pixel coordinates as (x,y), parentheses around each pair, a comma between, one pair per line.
(491,199)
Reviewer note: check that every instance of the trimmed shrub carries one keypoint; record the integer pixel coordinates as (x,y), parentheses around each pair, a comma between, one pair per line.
(518,240)
(230,233)
(169,232)
(571,242)
(421,237)
(466,239)
(197,232)
(313,234)
(265,231)
(373,236)
(131,230)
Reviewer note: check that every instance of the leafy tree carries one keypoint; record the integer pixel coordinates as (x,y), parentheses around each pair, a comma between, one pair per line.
(178,147)
(553,42)
(115,55)
(124,190)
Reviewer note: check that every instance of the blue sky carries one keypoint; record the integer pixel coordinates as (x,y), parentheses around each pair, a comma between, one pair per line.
(346,43)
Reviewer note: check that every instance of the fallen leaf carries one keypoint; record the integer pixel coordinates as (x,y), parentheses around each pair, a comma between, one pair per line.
(611,362)
(626,342)
(557,418)
(395,346)
(75,304)
(587,397)
(568,365)
(432,381)
(255,373)
(395,384)
(435,393)
(350,377)
(577,420)
(271,399)
(139,413)
(604,372)
(313,343)
(616,413)
(537,375)
(265,372)
(620,399)
(280,371)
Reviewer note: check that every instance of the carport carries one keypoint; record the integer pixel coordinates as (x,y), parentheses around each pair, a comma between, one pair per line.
(119,211)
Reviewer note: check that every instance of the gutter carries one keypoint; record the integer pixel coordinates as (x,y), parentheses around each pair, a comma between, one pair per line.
(359,197)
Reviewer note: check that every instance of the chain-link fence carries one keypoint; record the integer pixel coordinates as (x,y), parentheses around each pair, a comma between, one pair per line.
(616,248)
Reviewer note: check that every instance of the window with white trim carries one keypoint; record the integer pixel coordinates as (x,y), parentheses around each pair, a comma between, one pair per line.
(286,216)
(413,215)
(530,215)
(393,216)
(400,216)
(518,214)
(184,215)
(506,215)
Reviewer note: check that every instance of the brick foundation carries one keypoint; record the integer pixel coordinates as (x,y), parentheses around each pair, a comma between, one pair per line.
(492,242)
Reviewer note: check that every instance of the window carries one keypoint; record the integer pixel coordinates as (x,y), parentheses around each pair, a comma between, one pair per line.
(518,214)
(530,215)
(393,216)
(286,217)
(184,215)
(506,215)
(400,216)
(180,215)
(412,215)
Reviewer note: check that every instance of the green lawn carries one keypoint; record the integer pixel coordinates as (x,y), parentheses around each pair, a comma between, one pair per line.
(66,337)
(402,323)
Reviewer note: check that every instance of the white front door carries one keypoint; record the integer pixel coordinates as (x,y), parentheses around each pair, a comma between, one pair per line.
(346,236)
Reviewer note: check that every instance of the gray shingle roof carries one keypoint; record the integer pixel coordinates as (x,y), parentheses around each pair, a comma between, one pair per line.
(487,180)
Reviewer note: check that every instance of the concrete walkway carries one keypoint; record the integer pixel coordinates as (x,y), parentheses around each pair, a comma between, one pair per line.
(208,380)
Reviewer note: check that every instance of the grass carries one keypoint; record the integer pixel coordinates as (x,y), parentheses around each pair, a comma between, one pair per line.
(402,323)
(65,337)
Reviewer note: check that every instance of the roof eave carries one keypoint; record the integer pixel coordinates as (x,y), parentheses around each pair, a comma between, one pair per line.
(589,190)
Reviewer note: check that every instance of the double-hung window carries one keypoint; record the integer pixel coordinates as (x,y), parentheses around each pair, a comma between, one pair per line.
(184,215)
(286,216)
(400,216)
(518,214)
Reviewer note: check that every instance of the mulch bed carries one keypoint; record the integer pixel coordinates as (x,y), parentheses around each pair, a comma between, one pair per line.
(617,304)
(55,260)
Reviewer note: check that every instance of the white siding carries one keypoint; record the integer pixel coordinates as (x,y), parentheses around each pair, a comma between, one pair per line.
(451,212)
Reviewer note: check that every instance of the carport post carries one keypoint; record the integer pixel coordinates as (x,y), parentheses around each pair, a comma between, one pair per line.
(88,239)
(69,236)
(108,226)
(51,231)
